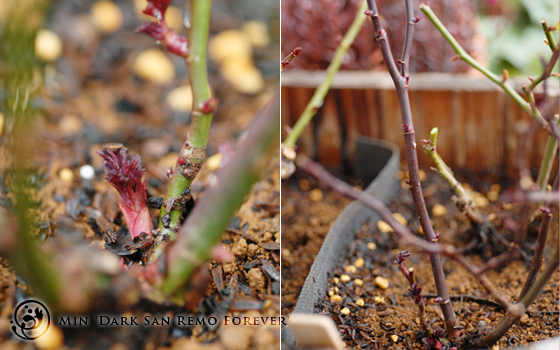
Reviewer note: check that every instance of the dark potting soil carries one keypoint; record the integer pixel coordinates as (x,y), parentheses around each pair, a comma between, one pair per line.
(370,316)
(308,211)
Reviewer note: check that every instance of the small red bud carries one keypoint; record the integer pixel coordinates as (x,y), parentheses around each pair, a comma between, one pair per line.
(454,58)
(437,235)
(182,161)
(556,74)
(425,141)
(297,51)
(406,128)
(545,210)
(209,106)
(417,19)
(368,13)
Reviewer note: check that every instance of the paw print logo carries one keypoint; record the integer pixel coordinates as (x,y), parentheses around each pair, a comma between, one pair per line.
(31,320)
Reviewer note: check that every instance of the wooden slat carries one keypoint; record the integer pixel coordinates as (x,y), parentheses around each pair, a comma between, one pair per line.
(328,134)
(476,120)
(349,118)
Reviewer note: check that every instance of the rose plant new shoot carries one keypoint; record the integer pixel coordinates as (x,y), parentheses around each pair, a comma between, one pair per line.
(124,173)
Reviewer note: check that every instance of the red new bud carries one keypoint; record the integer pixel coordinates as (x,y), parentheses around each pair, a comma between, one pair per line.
(368,13)
(209,105)
(170,40)
(182,161)
(417,19)
(152,29)
(175,43)
(124,172)
(157,8)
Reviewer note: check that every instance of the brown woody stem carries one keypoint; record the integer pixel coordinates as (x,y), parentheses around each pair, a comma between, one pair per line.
(539,251)
(401,85)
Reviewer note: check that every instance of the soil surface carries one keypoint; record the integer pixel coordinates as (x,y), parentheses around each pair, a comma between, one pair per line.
(308,211)
(371,317)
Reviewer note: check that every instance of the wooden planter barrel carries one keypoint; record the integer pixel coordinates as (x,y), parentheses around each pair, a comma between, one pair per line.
(477,121)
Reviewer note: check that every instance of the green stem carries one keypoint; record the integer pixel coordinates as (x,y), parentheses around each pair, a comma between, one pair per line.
(193,151)
(549,37)
(464,200)
(533,112)
(548,160)
(321,92)
(205,226)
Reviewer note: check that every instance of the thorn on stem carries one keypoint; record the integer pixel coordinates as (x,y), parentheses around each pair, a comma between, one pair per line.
(169,173)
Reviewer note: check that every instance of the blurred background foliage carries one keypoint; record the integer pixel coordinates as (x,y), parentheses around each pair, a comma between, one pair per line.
(501,34)
(514,34)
